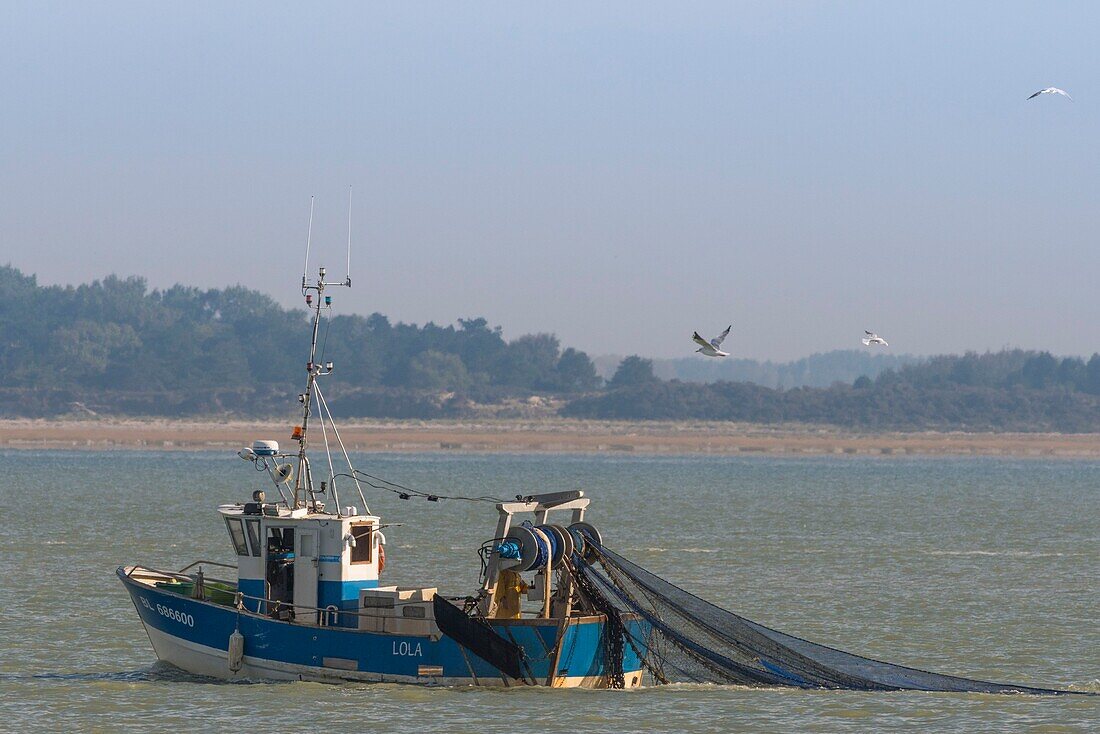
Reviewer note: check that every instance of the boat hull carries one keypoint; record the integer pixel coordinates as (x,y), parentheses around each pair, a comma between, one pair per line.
(193,635)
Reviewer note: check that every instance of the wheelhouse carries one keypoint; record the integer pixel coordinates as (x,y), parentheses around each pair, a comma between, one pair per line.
(290,564)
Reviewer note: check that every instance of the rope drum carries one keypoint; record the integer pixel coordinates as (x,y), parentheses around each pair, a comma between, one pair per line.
(581,533)
(539,546)
(533,545)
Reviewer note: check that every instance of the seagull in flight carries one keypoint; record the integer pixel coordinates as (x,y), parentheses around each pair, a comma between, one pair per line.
(711,348)
(873,338)
(1052,90)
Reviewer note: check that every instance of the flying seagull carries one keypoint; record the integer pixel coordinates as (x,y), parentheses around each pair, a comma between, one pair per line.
(711,348)
(873,338)
(1052,90)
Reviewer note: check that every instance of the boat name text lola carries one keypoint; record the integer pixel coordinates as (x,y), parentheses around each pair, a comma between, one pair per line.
(406,649)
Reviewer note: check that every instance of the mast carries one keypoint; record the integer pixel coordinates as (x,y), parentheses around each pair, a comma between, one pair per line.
(303,484)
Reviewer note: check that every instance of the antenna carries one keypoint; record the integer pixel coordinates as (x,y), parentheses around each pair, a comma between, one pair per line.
(349,237)
(309,237)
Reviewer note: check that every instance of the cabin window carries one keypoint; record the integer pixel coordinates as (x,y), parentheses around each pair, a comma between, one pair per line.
(236,532)
(305,543)
(253,527)
(361,552)
(279,543)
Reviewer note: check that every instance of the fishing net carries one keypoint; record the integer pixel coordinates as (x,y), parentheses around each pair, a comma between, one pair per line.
(683,638)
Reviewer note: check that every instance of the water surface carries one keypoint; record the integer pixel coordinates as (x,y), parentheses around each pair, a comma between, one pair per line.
(986,568)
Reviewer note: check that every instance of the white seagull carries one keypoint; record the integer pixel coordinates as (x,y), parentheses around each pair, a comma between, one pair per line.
(873,338)
(1052,90)
(711,348)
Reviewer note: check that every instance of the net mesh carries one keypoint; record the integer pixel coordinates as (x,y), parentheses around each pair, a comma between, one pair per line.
(688,639)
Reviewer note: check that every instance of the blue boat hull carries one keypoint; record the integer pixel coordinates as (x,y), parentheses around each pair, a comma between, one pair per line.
(194,635)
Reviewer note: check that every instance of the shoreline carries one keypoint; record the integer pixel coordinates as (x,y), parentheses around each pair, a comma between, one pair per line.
(543,435)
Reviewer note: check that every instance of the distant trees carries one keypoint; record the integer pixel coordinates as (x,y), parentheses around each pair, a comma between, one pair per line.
(433,370)
(1090,381)
(576,372)
(529,361)
(96,341)
(1040,371)
(87,348)
(633,371)
(1033,370)
(817,370)
(896,406)
(1010,390)
(116,346)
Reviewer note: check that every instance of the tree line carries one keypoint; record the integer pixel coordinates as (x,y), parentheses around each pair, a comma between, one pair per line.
(816,370)
(114,346)
(192,350)
(1010,390)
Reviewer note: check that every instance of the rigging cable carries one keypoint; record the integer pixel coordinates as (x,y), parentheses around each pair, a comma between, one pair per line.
(343,449)
(434,497)
(328,449)
(405,493)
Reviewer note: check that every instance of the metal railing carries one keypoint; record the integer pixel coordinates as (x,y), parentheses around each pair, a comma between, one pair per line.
(326,617)
(207,563)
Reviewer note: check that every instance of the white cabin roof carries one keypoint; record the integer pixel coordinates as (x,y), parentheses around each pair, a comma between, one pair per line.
(236,509)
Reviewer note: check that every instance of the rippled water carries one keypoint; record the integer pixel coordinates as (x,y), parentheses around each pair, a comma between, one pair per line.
(980,567)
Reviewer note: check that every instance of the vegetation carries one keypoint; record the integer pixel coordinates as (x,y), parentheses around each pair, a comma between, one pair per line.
(114,346)
(1012,390)
(817,370)
(632,372)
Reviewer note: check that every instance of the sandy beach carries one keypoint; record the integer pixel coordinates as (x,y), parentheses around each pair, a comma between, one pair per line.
(551,435)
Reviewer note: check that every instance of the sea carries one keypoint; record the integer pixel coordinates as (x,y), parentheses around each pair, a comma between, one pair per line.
(982,567)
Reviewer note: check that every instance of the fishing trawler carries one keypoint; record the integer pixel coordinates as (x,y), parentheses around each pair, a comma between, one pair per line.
(309,601)
(554,607)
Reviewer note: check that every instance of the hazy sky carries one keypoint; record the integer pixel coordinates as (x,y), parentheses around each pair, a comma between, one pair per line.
(619,174)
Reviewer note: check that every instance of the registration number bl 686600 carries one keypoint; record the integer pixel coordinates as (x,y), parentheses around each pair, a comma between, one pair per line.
(170,613)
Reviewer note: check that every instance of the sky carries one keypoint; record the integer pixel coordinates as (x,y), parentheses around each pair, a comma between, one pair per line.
(619,174)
